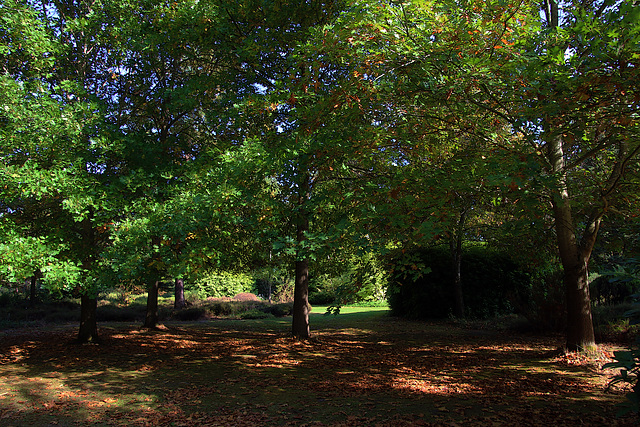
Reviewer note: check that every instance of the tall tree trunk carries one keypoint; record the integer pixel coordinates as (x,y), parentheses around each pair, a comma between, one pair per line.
(151,318)
(88,331)
(455,246)
(575,259)
(551,13)
(34,287)
(573,255)
(179,293)
(270,281)
(300,323)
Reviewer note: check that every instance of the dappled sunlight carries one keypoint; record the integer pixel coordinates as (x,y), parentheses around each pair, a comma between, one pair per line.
(280,360)
(139,375)
(444,386)
(60,396)
(13,354)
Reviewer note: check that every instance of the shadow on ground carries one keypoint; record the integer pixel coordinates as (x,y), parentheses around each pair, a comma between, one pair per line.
(361,369)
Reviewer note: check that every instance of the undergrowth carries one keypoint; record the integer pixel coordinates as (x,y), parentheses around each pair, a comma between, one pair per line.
(113,307)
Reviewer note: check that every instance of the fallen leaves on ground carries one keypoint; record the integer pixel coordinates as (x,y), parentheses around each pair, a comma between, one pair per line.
(393,373)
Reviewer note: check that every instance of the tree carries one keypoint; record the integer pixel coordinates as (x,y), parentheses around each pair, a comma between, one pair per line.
(558,97)
(82,27)
(587,131)
(177,84)
(46,159)
(275,151)
(179,302)
(172,81)
(161,94)
(414,157)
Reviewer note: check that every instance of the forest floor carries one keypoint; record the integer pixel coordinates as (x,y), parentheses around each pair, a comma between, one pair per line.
(362,368)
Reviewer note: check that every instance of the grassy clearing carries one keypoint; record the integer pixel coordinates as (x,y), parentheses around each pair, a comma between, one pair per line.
(362,368)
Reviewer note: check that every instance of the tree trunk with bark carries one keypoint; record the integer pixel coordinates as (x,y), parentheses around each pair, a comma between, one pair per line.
(455,246)
(300,323)
(34,287)
(151,319)
(179,302)
(88,331)
(575,259)
(456,260)
(574,255)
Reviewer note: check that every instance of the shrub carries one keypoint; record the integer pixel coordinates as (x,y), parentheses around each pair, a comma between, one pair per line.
(285,292)
(370,278)
(256,314)
(606,290)
(628,361)
(111,313)
(611,324)
(57,314)
(191,297)
(139,300)
(542,301)
(219,284)
(491,281)
(418,296)
(190,314)
(8,298)
(226,308)
(321,298)
(220,308)
(278,289)
(246,296)
(280,310)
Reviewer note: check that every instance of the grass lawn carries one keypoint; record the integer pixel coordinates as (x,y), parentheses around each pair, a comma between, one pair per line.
(362,368)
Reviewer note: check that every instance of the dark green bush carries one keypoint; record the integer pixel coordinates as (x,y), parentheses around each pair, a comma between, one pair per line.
(236,308)
(220,308)
(279,310)
(321,298)
(542,302)
(62,314)
(256,314)
(491,283)
(190,314)
(606,290)
(8,298)
(112,313)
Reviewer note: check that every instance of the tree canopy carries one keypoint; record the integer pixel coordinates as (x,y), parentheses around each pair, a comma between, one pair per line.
(143,140)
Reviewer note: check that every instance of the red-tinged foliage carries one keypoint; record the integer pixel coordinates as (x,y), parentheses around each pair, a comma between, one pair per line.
(246,296)
(212,374)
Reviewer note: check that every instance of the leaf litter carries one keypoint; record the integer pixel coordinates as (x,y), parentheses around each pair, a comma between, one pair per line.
(219,374)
